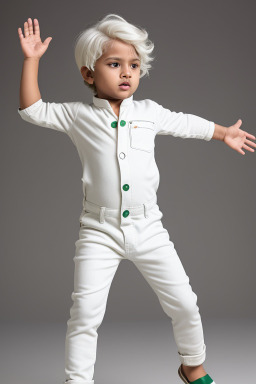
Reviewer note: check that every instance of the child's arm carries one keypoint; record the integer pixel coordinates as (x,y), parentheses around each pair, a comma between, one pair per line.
(33,49)
(182,125)
(58,116)
(191,126)
(29,90)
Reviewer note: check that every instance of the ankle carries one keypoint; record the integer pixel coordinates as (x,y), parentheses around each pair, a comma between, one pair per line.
(194,372)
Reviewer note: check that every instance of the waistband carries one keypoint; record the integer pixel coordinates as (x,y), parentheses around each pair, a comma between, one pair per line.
(105,211)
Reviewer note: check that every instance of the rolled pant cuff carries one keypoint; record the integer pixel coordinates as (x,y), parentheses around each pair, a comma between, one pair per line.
(78,382)
(193,360)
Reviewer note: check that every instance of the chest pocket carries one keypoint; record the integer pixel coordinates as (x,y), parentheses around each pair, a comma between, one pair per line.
(142,135)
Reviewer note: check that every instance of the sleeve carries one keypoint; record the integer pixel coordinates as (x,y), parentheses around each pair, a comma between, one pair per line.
(182,124)
(57,116)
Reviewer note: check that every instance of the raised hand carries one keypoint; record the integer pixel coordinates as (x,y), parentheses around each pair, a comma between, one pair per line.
(237,139)
(31,44)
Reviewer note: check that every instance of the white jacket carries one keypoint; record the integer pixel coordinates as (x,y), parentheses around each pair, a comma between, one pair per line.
(117,154)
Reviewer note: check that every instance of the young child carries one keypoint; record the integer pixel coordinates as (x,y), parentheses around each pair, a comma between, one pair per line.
(115,138)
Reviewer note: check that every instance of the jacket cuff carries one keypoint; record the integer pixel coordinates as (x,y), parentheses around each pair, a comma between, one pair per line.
(210,132)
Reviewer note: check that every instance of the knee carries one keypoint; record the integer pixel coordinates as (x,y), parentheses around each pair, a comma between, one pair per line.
(87,309)
(187,306)
(184,306)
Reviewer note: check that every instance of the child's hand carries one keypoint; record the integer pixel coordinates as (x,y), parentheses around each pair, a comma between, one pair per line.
(238,139)
(31,44)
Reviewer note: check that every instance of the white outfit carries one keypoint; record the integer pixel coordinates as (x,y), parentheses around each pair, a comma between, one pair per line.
(121,219)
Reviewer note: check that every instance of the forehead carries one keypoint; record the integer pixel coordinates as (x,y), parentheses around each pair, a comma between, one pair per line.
(119,49)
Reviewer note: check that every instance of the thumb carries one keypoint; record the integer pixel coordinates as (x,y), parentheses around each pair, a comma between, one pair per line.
(47,41)
(238,123)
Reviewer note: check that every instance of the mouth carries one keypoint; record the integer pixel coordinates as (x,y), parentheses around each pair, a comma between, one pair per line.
(125,85)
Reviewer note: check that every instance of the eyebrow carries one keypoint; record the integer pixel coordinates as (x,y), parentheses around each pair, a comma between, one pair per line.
(118,58)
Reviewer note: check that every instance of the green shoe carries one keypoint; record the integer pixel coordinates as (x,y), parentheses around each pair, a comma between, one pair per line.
(202,380)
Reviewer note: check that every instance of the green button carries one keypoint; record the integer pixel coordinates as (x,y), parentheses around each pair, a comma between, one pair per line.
(122,123)
(126,187)
(114,124)
(126,213)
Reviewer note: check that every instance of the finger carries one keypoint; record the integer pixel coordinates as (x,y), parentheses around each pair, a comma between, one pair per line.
(26,33)
(251,136)
(248,148)
(47,41)
(20,34)
(36,27)
(239,122)
(240,151)
(30,26)
(250,143)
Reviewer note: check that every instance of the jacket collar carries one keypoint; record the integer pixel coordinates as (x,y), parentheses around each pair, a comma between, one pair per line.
(104,103)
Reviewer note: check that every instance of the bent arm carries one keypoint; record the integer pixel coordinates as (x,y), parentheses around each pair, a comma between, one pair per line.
(58,116)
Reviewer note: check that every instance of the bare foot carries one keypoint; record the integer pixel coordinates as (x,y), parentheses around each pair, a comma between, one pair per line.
(194,373)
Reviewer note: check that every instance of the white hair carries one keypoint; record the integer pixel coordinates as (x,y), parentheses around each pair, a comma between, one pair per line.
(90,43)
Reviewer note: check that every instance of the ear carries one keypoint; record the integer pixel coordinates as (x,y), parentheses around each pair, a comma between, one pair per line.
(87,74)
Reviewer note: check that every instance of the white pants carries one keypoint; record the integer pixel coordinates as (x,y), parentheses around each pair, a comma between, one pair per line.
(105,240)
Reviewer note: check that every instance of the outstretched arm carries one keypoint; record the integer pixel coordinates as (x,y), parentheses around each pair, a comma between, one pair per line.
(234,137)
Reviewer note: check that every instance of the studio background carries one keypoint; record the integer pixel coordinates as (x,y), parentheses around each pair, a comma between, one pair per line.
(204,65)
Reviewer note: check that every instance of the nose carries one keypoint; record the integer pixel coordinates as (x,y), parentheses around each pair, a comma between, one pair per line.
(126,71)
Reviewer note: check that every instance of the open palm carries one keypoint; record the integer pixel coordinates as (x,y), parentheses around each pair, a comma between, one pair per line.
(237,139)
(32,45)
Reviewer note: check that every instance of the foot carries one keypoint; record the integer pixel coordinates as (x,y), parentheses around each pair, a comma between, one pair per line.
(193,373)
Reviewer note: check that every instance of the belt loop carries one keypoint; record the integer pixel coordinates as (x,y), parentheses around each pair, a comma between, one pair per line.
(102,212)
(145,211)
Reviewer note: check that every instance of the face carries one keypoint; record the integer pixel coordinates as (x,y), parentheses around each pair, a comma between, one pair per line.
(119,63)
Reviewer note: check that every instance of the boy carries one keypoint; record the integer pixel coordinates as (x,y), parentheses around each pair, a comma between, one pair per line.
(114,136)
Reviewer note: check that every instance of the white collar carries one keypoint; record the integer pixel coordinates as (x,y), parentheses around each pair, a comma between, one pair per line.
(104,103)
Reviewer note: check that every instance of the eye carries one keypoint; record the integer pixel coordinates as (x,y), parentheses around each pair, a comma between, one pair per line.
(136,65)
(112,63)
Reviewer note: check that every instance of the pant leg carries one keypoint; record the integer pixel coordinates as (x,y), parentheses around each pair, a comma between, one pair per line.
(95,266)
(159,263)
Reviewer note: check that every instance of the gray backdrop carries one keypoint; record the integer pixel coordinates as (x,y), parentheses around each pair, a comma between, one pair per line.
(205,65)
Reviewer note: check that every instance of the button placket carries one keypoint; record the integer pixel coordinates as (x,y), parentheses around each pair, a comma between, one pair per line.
(123,137)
